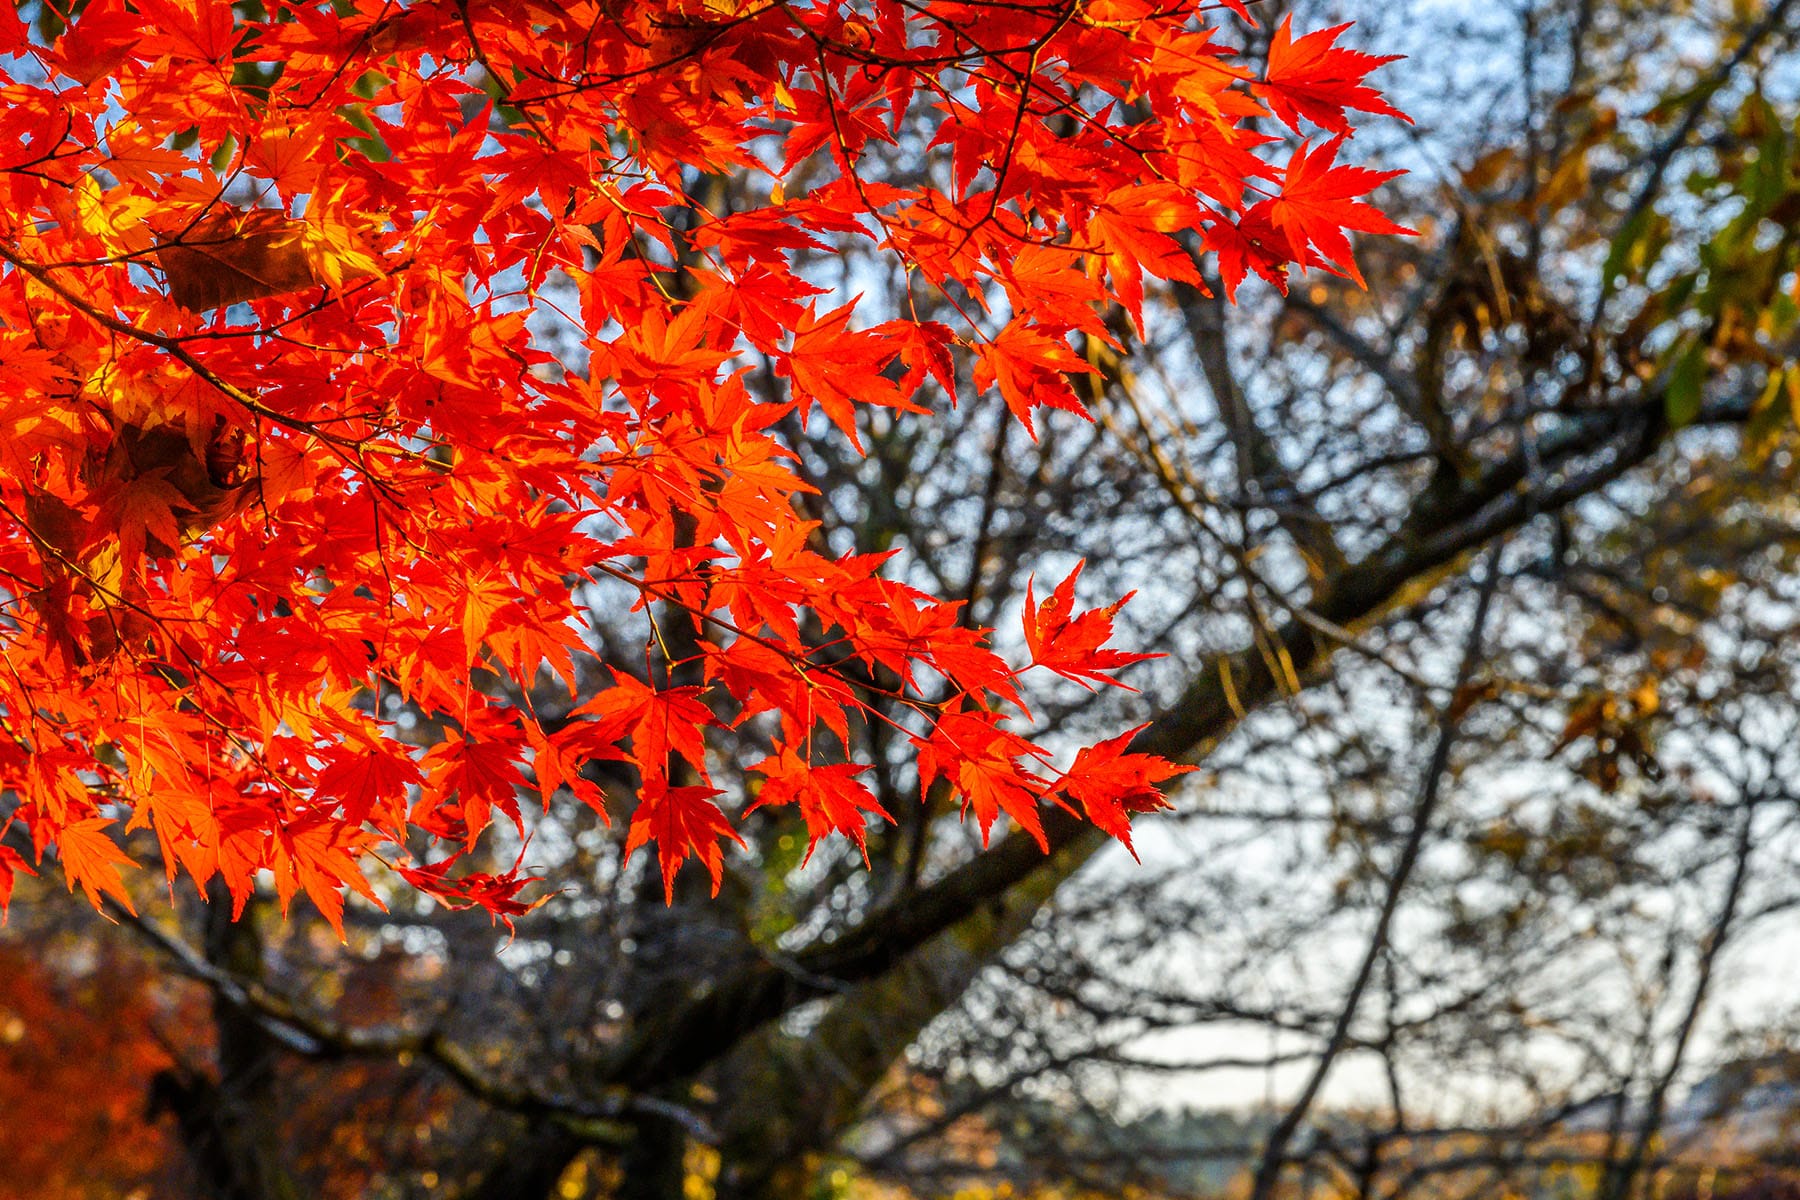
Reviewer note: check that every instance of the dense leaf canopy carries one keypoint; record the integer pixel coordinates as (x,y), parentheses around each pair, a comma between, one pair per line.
(285,462)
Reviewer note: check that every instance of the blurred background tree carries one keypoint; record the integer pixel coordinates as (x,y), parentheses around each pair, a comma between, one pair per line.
(1478,594)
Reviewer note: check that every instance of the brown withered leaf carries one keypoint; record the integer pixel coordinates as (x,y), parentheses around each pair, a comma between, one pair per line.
(232,255)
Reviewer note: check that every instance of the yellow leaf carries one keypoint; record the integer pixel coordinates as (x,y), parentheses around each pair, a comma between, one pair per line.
(115,216)
(335,254)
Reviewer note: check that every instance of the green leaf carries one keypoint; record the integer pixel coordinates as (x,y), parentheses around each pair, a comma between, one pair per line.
(1624,242)
(1687,378)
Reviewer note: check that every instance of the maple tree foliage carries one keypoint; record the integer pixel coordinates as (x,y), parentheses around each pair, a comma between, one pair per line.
(77,1053)
(281,453)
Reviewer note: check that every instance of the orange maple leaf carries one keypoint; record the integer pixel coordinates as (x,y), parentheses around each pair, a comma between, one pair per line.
(93,860)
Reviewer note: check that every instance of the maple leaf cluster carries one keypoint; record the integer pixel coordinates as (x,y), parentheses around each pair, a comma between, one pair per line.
(281,457)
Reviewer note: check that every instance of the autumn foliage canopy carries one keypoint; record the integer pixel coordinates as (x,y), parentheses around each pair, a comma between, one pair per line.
(282,451)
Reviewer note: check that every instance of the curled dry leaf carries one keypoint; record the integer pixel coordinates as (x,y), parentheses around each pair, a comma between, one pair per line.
(233,255)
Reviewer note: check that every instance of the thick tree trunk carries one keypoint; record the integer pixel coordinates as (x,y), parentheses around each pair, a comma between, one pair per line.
(787,1098)
(230,1125)
(248,1102)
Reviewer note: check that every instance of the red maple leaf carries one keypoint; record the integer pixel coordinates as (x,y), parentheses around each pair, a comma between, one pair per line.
(1031,368)
(830,797)
(497,894)
(364,484)
(1250,245)
(1135,229)
(656,721)
(840,368)
(1319,201)
(1070,643)
(681,821)
(1110,784)
(481,776)
(981,762)
(371,783)
(142,512)
(319,855)
(1315,79)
